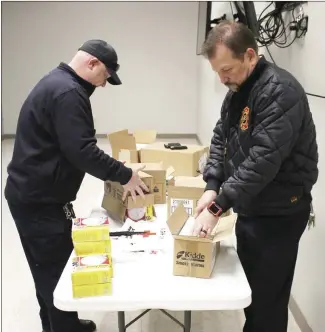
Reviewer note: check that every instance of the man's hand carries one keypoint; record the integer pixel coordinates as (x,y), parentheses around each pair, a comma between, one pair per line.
(204,224)
(135,185)
(205,200)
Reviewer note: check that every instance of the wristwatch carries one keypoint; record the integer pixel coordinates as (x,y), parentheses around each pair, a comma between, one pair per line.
(215,209)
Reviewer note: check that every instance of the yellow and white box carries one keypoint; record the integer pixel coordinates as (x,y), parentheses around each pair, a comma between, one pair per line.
(91,229)
(92,248)
(92,275)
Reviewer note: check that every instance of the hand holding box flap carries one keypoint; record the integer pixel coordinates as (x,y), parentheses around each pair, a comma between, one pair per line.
(194,256)
(116,207)
(160,175)
(180,222)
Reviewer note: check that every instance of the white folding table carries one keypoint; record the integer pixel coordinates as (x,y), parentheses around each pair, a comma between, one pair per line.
(144,282)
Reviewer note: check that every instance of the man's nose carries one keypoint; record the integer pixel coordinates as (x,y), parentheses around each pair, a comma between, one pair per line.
(223,79)
(104,84)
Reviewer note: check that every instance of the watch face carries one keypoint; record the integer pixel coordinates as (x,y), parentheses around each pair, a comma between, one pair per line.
(213,208)
(136,213)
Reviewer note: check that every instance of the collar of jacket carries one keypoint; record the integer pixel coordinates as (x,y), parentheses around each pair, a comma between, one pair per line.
(85,84)
(253,77)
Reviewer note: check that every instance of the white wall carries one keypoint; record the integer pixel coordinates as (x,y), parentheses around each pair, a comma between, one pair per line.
(305,59)
(156,44)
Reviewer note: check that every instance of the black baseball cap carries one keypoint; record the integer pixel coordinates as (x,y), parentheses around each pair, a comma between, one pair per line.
(106,54)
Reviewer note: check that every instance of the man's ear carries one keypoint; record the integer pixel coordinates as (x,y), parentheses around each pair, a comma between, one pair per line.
(92,63)
(250,53)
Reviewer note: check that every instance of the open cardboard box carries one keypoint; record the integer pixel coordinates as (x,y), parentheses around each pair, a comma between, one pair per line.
(124,145)
(160,178)
(194,256)
(116,207)
(185,162)
(186,190)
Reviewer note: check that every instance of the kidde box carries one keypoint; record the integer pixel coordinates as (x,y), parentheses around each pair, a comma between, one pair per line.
(160,176)
(185,190)
(194,256)
(124,144)
(116,207)
(185,162)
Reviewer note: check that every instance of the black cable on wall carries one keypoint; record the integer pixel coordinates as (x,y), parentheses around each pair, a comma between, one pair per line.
(273,30)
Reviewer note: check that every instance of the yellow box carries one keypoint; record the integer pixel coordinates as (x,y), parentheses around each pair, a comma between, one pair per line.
(93,269)
(92,290)
(90,229)
(92,248)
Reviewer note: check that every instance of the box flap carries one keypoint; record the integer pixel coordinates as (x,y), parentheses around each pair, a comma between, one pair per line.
(144,175)
(192,238)
(112,203)
(190,181)
(125,155)
(144,136)
(121,140)
(148,166)
(224,227)
(157,170)
(123,132)
(177,220)
(170,171)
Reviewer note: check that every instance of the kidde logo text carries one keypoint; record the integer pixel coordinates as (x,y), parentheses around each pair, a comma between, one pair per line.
(190,256)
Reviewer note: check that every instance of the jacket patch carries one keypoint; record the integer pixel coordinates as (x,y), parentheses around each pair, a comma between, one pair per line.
(244,119)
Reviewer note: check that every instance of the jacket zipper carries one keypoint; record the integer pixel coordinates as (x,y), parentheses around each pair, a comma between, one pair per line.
(225,149)
(226,145)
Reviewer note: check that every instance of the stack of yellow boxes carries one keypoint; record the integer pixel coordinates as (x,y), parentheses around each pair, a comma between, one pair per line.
(92,268)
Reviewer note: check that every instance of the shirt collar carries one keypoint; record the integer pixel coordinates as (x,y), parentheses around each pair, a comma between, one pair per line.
(85,84)
(253,77)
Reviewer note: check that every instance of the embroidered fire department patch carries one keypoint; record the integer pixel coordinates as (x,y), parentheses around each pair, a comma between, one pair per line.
(244,119)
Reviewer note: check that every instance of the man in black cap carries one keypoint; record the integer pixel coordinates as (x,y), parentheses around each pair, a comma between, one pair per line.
(55,146)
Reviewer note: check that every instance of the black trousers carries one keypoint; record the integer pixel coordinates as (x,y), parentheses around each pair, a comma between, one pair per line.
(45,235)
(268,248)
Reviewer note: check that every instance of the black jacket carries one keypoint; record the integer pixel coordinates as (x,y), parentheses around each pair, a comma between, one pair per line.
(55,143)
(263,152)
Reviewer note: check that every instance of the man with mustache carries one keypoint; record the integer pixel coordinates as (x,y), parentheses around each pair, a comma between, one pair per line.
(55,146)
(264,158)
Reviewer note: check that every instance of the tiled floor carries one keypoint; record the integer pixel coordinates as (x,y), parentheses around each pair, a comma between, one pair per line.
(19,305)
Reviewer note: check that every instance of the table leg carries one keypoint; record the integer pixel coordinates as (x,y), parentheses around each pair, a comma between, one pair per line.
(121,321)
(187,321)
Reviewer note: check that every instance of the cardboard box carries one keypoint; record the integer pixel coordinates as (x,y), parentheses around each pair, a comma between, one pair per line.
(185,190)
(116,207)
(160,178)
(90,229)
(124,144)
(185,162)
(194,256)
